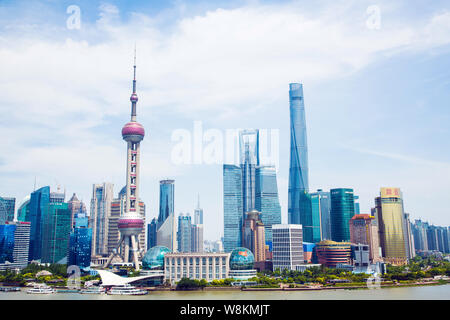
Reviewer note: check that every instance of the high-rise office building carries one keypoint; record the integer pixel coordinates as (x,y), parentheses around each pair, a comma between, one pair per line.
(151,233)
(390,217)
(184,233)
(249,160)
(80,243)
(364,230)
(232,206)
(58,196)
(115,213)
(23,213)
(102,196)
(14,244)
(287,246)
(342,210)
(166,233)
(299,203)
(409,241)
(74,206)
(7,209)
(267,202)
(320,209)
(39,201)
(197,238)
(420,236)
(356,201)
(198,213)
(253,235)
(55,233)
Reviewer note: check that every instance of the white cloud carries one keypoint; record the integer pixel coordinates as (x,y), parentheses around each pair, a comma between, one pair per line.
(62,93)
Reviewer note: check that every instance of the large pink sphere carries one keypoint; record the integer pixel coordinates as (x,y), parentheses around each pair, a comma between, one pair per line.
(133,129)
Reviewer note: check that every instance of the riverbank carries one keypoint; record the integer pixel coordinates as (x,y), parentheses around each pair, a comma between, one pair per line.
(308,288)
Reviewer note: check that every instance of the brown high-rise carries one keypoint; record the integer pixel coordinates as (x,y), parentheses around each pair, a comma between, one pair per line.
(253,235)
(364,230)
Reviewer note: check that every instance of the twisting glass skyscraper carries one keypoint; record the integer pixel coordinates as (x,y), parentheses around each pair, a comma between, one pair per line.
(299,203)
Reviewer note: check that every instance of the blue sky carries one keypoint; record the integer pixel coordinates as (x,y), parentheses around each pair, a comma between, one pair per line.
(377,100)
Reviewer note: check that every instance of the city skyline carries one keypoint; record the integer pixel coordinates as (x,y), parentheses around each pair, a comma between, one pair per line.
(357,138)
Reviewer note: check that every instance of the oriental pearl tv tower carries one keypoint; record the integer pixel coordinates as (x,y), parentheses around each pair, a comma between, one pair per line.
(131,222)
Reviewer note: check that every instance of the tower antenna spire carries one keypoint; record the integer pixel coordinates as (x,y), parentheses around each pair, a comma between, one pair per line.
(134,97)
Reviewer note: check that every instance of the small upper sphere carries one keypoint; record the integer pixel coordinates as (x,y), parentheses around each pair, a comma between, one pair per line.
(133,129)
(134,97)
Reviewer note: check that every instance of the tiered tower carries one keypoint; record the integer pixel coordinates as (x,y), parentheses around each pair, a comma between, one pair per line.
(131,223)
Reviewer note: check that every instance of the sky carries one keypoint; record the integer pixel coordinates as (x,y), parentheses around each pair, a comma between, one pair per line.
(375,75)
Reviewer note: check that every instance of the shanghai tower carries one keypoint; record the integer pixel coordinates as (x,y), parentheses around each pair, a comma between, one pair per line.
(299,204)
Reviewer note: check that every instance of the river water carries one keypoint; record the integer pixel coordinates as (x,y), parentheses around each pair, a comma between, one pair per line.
(439,292)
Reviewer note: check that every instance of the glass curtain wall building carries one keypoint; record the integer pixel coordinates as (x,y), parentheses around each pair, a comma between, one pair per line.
(232,206)
(39,202)
(151,233)
(266,200)
(14,245)
(184,233)
(7,208)
(80,241)
(342,210)
(23,213)
(166,200)
(56,226)
(249,160)
(299,202)
(320,208)
(166,228)
(390,217)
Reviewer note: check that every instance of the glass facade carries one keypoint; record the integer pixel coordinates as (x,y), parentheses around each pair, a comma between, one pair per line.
(390,217)
(232,206)
(39,202)
(320,207)
(249,160)
(80,243)
(7,242)
(184,233)
(151,233)
(7,207)
(342,210)
(166,200)
(56,225)
(314,231)
(299,202)
(23,213)
(267,201)
(241,259)
(154,258)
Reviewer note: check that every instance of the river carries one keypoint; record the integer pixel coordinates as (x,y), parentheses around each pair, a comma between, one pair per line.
(438,292)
